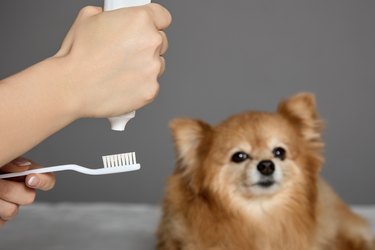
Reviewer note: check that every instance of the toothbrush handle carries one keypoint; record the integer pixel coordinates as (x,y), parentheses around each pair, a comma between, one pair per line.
(40,171)
(118,123)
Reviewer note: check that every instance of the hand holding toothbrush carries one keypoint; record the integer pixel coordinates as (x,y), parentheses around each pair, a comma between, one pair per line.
(108,65)
(21,191)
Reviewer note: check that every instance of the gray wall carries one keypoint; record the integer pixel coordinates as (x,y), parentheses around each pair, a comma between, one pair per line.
(224,57)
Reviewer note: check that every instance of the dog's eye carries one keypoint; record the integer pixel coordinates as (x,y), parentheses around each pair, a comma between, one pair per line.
(239,157)
(279,152)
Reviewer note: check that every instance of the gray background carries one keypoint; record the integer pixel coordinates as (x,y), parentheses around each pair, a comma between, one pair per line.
(224,57)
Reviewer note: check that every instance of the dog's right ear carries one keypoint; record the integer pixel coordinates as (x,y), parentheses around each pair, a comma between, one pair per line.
(188,136)
(301,110)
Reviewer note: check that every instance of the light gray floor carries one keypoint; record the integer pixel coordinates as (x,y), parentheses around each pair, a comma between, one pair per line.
(81,227)
(91,226)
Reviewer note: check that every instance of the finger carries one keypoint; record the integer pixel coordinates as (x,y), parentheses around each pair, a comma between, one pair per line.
(18,165)
(8,210)
(13,168)
(161,16)
(164,44)
(15,192)
(22,162)
(42,182)
(162,66)
(90,11)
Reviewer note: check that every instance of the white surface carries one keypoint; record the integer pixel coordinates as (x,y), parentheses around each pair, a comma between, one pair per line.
(115,4)
(92,227)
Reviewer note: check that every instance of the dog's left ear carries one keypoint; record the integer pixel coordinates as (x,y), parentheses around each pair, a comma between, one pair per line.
(192,141)
(301,110)
(188,136)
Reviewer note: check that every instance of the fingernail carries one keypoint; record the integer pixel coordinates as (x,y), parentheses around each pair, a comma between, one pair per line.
(22,163)
(33,181)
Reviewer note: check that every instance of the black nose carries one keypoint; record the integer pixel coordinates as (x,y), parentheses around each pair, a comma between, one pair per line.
(266,167)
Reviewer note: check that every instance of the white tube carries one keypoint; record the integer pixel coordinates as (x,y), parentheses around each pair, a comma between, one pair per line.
(116,4)
(119,123)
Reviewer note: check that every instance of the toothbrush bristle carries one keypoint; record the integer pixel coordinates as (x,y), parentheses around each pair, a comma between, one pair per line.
(119,160)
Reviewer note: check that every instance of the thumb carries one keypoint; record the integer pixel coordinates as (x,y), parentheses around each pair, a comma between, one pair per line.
(42,182)
(67,43)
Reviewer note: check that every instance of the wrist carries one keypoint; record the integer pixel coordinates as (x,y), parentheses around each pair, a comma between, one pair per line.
(58,82)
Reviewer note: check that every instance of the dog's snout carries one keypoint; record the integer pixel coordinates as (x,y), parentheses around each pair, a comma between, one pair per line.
(266,167)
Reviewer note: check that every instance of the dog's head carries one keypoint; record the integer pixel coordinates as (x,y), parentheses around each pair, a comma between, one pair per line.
(253,154)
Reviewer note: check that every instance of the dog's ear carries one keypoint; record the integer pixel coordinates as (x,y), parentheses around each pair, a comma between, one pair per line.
(301,110)
(188,135)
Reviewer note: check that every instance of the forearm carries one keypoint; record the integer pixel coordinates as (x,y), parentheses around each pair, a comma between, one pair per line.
(33,106)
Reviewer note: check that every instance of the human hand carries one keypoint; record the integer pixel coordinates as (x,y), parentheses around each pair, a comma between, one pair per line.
(111,60)
(21,191)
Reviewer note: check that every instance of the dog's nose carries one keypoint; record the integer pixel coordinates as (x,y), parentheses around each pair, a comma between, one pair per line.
(266,167)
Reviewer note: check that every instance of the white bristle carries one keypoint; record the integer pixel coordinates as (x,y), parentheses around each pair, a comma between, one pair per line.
(134,159)
(108,159)
(122,159)
(118,160)
(114,163)
(111,161)
(127,159)
(104,161)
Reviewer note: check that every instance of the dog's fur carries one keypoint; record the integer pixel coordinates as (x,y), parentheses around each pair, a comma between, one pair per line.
(212,202)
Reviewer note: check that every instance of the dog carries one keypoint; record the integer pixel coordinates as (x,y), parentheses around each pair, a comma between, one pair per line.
(252,183)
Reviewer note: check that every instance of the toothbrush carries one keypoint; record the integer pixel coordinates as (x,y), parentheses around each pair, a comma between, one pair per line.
(118,123)
(112,164)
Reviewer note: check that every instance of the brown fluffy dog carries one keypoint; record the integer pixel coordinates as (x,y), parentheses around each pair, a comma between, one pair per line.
(252,183)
